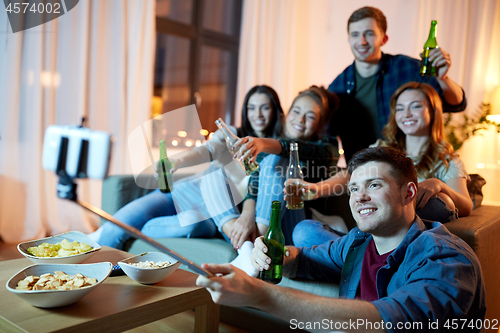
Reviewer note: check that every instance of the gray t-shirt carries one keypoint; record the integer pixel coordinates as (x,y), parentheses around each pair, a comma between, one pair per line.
(456,169)
(365,94)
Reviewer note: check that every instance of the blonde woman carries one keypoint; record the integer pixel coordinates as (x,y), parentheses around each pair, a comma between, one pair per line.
(416,127)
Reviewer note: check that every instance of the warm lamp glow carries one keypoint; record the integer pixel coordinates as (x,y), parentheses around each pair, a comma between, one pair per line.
(175,142)
(50,79)
(204,132)
(198,143)
(182,134)
(189,143)
(495,106)
(156,107)
(494,118)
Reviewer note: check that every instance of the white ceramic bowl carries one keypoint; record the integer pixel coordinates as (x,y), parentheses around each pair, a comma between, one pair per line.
(57,298)
(70,236)
(149,275)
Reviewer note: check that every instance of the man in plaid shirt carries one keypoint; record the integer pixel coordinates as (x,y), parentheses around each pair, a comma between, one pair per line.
(365,87)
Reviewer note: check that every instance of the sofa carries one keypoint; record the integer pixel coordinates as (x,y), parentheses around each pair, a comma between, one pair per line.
(481,230)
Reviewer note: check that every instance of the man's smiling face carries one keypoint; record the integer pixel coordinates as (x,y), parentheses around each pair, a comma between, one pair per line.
(366,39)
(377,201)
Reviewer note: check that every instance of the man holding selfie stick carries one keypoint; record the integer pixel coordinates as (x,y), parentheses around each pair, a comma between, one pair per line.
(76,152)
(396,272)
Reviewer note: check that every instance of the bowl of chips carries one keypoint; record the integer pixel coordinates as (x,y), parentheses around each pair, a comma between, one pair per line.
(55,285)
(71,247)
(149,267)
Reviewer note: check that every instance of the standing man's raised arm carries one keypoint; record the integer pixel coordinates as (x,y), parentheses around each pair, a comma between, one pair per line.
(452,91)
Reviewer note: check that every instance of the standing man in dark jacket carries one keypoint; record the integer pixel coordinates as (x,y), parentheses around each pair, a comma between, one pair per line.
(365,87)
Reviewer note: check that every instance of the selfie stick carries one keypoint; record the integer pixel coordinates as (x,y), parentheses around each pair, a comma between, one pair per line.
(66,189)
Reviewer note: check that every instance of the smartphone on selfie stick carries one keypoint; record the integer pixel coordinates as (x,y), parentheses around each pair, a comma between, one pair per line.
(73,151)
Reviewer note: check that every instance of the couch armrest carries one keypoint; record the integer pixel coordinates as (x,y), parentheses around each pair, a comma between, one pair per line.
(481,230)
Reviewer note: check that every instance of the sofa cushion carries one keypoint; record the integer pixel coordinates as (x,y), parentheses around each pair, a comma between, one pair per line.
(481,230)
(475,188)
(199,250)
(219,251)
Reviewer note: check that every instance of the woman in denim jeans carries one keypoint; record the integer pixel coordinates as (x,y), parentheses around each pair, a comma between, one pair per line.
(182,213)
(304,124)
(416,127)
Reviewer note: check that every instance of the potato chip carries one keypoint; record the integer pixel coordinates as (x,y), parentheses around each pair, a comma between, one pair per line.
(63,249)
(59,281)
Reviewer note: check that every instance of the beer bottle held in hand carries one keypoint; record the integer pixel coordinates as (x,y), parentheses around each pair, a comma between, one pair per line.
(164,174)
(294,199)
(231,138)
(275,242)
(426,68)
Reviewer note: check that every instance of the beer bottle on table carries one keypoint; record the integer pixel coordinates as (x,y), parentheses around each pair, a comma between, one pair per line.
(294,175)
(426,68)
(164,174)
(231,138)
(275,242)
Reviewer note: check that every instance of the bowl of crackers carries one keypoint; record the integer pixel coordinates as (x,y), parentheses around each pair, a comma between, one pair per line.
(56,285)
(149,267)
(71,247)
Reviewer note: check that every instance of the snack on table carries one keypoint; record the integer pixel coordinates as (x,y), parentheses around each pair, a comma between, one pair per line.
(63,249)
(59,281)
(151,264)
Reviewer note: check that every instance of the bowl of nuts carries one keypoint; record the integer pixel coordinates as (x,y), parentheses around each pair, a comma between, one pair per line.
(71,247)
(149,267)
(55,285)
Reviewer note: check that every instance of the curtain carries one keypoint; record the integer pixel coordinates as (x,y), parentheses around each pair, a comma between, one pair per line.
(94,61)
(291,45)
(268,38)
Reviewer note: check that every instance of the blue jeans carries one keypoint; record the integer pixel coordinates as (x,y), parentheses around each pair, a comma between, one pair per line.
(435,210)
(221,195)
(310,232)
(272,176)
(155,214)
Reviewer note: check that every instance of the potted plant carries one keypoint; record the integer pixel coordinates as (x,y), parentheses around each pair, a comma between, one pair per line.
(458,133)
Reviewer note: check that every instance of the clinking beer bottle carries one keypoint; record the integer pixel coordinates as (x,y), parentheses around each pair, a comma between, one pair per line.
(294,175)
(426,68)
(164,174)
(230,140)
(275,242)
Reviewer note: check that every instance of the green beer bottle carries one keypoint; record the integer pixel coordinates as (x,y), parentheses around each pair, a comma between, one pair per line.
(164,174)
(274,241)
(231,138)
(426,68)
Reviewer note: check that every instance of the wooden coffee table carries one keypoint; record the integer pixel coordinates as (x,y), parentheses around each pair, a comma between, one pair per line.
(116,305)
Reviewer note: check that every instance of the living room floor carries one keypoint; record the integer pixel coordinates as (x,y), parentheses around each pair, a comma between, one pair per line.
(180,323)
